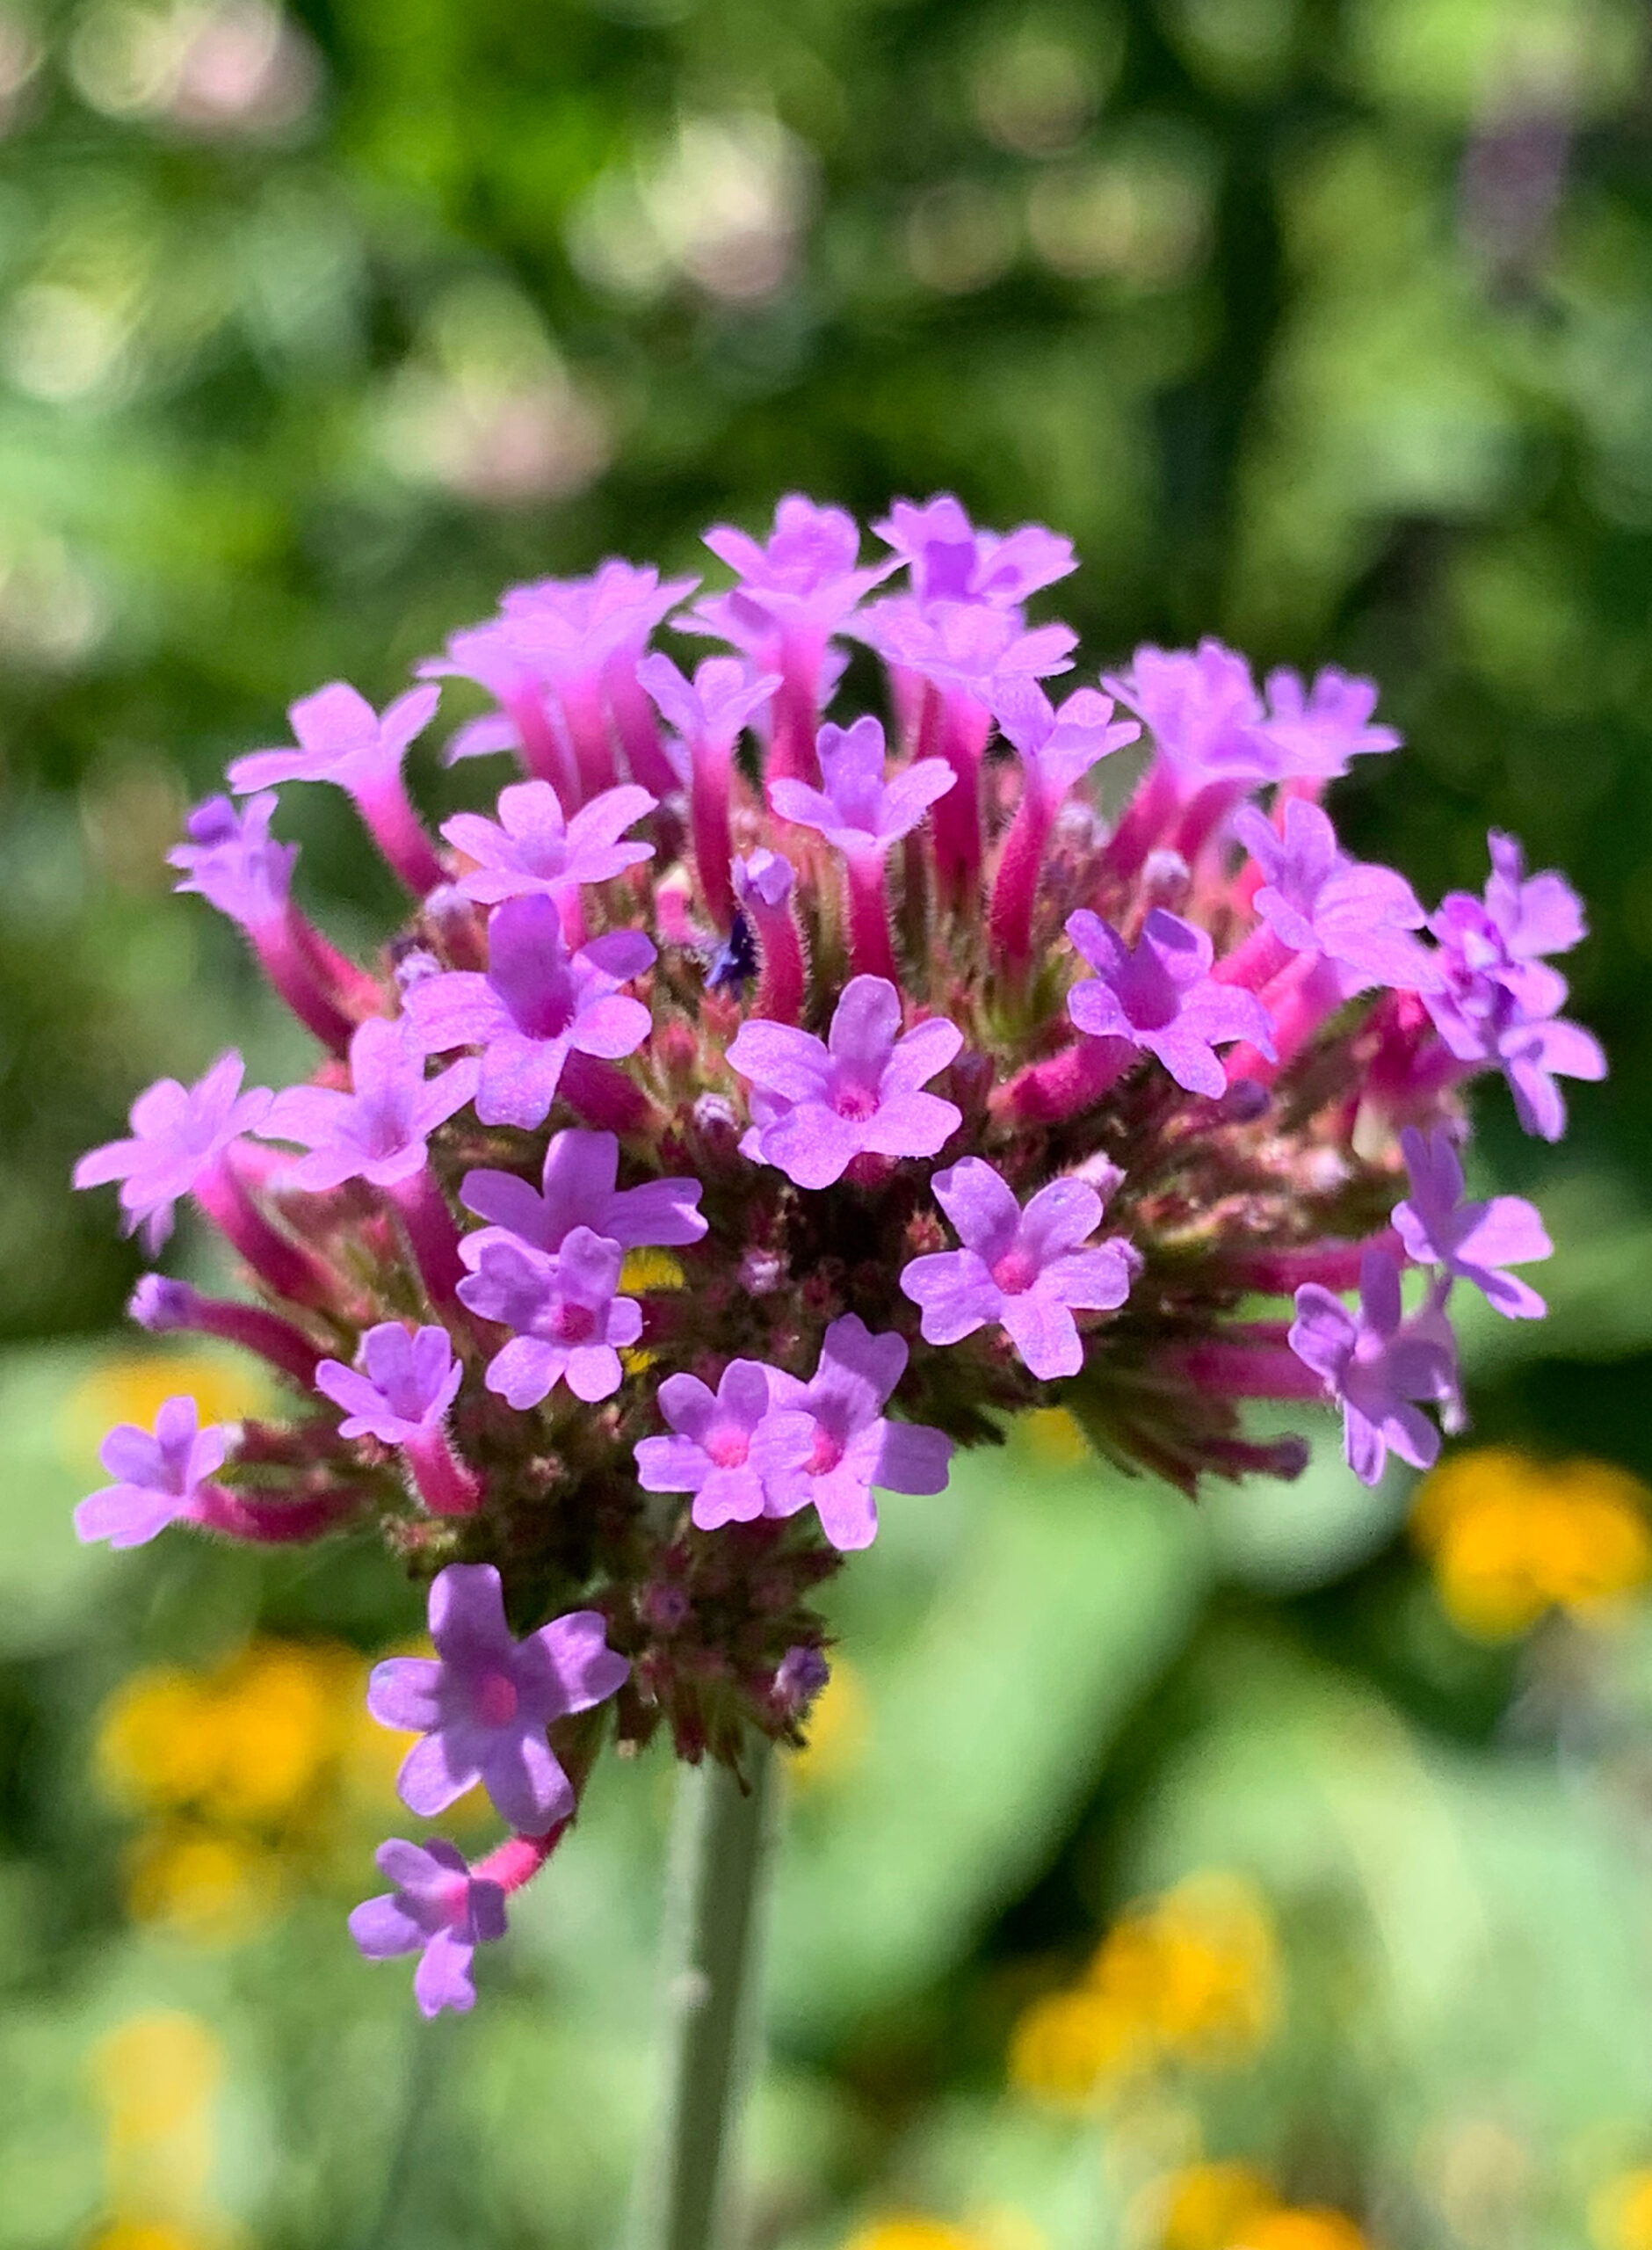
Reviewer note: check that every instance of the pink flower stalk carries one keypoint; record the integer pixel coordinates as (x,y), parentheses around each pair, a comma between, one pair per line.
(342,738)
(793,593)
(731,1133)
(710,716)
(863,815)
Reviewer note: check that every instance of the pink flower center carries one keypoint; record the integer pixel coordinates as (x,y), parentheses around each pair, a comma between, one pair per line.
(496,1699)
(857,1103)
(573,1324)
(1015,1272)
(728,1446)
(825,1454)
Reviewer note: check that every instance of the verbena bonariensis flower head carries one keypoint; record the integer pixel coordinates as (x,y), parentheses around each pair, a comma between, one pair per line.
(766,1098)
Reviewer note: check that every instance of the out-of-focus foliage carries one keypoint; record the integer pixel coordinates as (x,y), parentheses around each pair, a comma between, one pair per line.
(1261,1878)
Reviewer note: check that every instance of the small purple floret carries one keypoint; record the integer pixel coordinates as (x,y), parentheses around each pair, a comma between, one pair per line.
(532,849)
(537,1004)
(379,1130)
(1057,746)
(177,1132)
(482,1706)
(439,1910)
(1473,1242)
(578,1190)
(948,560)
(711,1453)
(1202,709)
(1377,1365)
(1025,1270)
(232,861)
(816,1106)
(860,809)
(1315,731)
(159,1477)
(1317,900)
(852,1445)
(341,738)
(1160,998)
(569,1323)
(410,1384)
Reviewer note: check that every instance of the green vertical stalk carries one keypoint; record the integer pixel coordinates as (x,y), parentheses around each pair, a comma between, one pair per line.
(721,1841)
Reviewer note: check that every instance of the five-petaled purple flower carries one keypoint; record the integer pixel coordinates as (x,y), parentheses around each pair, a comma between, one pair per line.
(948,560)
(1160,998)
(484,1704)
(1315,731)
(439,1910)
(964,645)
(806,578)
(410,1384)
(379,1130)
(859,808)
(852,1445)
(233,862)
(1027,1271)
(538,1004)
(341,738)
(568,1319)
(710,711)
(1057,746)
(532,849)
(711,1453)
(1471,1241)
(578,1190)
(1499,1000)
(816,1106)
(159,1476)
(1377,1364)
(1317,900)
(177,1132)
(1202,709)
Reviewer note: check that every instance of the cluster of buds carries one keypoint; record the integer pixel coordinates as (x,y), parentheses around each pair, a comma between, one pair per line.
(754,1110)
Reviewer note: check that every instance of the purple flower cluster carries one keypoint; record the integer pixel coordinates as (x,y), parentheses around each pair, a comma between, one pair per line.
(760,1103)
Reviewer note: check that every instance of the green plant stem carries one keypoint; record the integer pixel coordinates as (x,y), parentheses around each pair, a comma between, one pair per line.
(722,1840)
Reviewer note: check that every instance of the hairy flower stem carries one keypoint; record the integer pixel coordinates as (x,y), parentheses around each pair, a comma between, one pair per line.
(722,1842)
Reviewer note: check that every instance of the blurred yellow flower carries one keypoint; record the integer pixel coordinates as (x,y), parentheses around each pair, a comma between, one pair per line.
(911,2230)
(1620,2215)
(149,2234)
(1053,1437)
(1205,2206)
(245,1744)
(133,1386)
(1235,2207)
(1066,2044)
(201,1883)
(1511,1537)
(157,2076)
(1190,1977)
(1315,2228)
(838,1724)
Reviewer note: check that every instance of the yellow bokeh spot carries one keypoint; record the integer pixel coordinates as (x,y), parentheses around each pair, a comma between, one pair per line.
(155,2073)
(1067,2044)
(149,2234)
(1054,1439)
(912,2231)
(1511,1537)
(838,1722)
(134,1386)
(1190,1977)
(245,1744)
(202,1883)
(1620,2215)
(1317,2228)
(1205,2206)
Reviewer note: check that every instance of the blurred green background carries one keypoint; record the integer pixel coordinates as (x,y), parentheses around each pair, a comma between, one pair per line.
(1159,1877)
